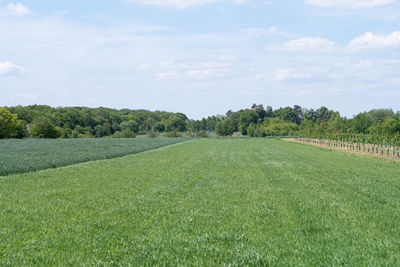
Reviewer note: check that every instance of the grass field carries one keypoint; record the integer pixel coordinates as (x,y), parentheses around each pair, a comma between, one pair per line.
(206,202)
(19,156)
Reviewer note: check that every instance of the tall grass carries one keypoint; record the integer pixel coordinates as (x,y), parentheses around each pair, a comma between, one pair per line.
(18,156)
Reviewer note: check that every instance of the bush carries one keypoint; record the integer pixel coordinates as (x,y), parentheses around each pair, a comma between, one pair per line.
(259,131)
(281,129)
(124,134)
(173,134)
(203,134)
(152,134)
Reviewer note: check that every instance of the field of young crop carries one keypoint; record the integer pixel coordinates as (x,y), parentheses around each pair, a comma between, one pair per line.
(206,202)
(19,156)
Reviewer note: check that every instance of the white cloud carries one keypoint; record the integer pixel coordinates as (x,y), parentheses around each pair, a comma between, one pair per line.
(223,64)
(196,70)
(182,4)
(362,71)
(349,4)
(7,68)
(287,74)
(371,40)
(284,74)
(18,9)
(308,44)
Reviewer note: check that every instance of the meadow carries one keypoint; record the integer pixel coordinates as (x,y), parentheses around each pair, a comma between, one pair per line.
(26,155)
(206,202)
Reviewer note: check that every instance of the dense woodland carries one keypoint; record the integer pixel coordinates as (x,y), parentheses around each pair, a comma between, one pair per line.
(379,126)
(39,121)
(82,122)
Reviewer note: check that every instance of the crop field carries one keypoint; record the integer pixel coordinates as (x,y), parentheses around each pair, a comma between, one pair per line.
(19,156)
(206,202)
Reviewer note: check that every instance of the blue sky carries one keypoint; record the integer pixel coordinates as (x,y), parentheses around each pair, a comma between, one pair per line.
(201,57)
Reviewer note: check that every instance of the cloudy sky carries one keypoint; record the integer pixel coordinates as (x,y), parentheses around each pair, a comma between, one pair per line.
(201,57)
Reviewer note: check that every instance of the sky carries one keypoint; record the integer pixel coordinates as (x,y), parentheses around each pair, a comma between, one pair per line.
(201,57)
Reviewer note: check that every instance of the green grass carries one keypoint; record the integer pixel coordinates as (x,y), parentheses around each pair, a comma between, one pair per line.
(19,156)
(206,202)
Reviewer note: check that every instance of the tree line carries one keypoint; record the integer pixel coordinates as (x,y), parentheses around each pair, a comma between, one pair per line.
(379,126)
(40,121)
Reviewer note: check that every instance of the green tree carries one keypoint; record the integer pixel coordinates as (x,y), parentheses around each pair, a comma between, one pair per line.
(225,127)
(99,131)
(379,115)
(335,124)
(251,129)
(130,125)
(391,127)
(159,127)
(9,124)
(175,124)
(310,114)
(298,114)
(210,123)
(286,114)
(306,128)
(43,128)
(246,118)
(259,109)
(269,112)
(361,123)
(21,130)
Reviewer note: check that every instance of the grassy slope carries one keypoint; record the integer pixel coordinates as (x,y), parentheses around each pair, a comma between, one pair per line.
(19,156)
(240,201)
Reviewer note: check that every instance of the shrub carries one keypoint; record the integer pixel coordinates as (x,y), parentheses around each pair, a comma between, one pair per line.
(172,134)
(152,134)
(259,131)
(281,129)
(124,134)
(203,134)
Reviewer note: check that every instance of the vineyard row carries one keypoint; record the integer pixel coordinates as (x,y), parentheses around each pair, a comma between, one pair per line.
(382,150)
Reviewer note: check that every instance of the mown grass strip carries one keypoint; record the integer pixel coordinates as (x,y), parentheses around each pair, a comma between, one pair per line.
(207,202)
